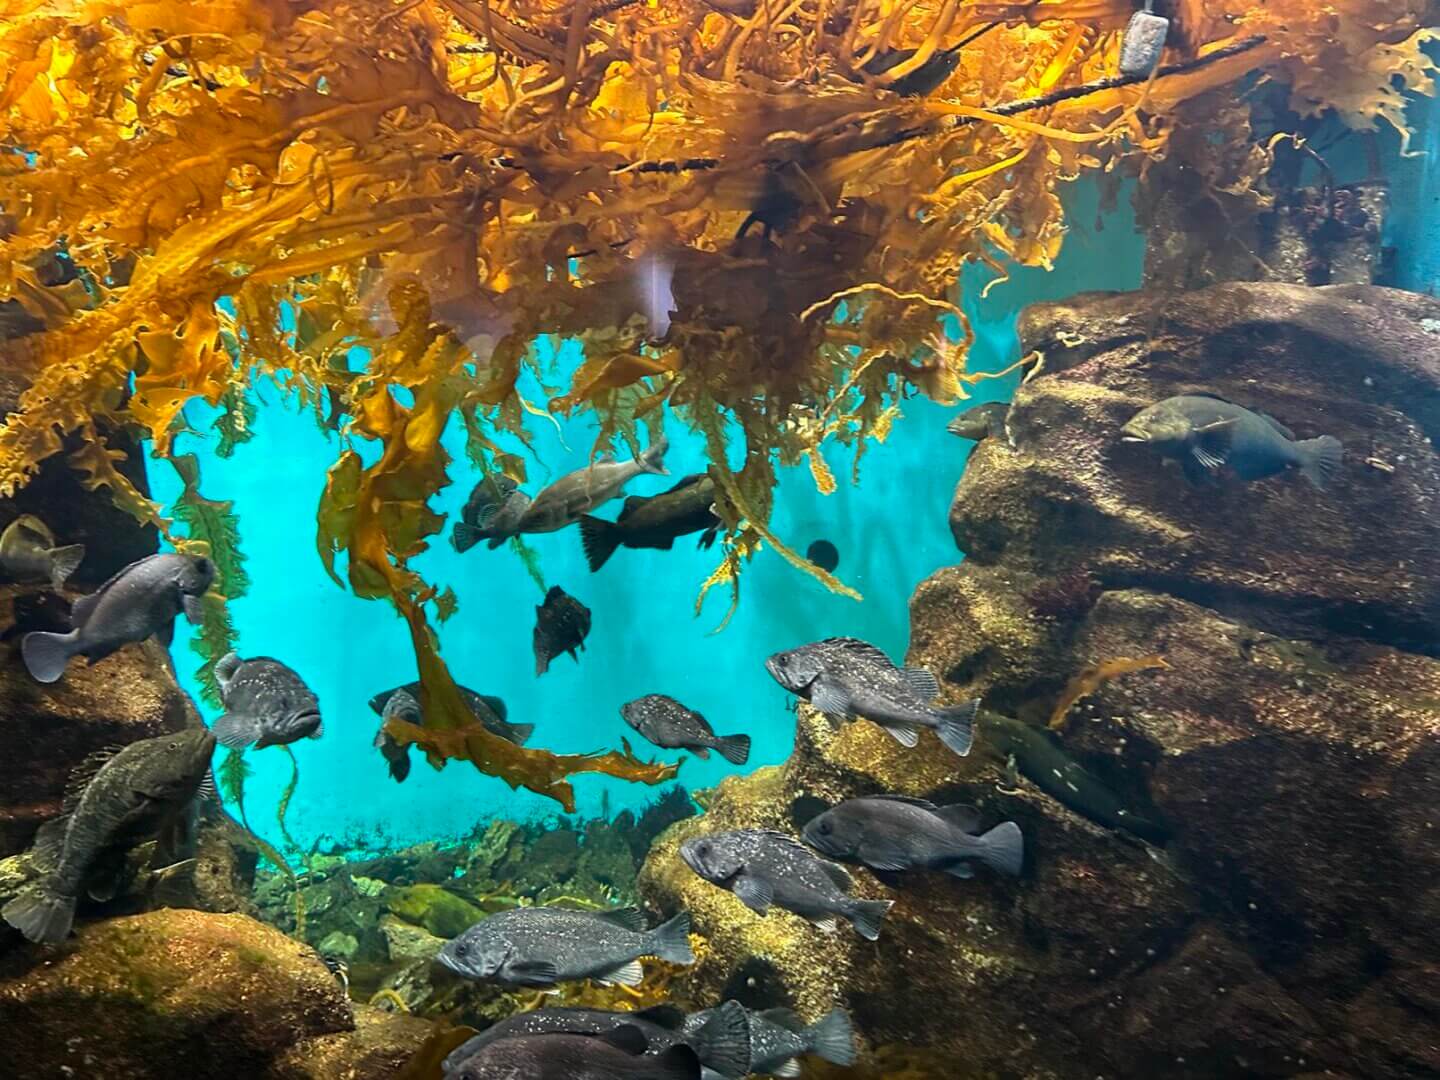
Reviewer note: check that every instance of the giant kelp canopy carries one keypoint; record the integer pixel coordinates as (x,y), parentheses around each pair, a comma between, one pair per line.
(360,196)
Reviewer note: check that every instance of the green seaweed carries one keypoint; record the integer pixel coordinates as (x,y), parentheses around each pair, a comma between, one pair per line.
(285,798)
(231,777)
(234,423)
(531,558)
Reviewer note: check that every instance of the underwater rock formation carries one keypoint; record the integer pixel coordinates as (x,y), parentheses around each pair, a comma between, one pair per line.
(210,996)
(1286,747)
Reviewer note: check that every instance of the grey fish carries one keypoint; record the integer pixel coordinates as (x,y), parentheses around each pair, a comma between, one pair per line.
(1037,756)
(981,422)
(764,868)
(845,677)
(654,521)
(114,804)
(402,706)
(721,1039)
(562,624)
(1206,433)
(494,503)
(491,711)
(893,833)
(668,724)
(266,704)
(925,79)
(572,496)
(616,1055)
(140,601)
(542,946)
(28,553)
(779,1036)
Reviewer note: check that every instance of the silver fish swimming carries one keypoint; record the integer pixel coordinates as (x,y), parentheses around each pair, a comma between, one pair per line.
(617,1055)
(542,946)
(893,833)
(846,677)
(28,552)
(670,725)
(139,602)
(1206,434)
(139,792)
(779,1036)
(721,1038)
(266,704)
(765,869)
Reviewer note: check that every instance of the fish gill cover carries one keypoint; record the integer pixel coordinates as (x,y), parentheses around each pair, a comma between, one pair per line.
(359,197)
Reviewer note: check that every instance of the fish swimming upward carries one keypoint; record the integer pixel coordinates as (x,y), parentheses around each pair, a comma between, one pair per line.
(266,704)
(670,725)
(893,833)
(846,677)
(616,1055)
(28,552)
(561,625)
(141,791)
(495,504)
(139,602)
(1208,434)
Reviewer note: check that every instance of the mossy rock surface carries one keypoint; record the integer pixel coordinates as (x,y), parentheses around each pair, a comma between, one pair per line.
(434,907)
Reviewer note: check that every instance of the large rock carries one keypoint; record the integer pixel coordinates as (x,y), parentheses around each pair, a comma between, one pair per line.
(1292,746)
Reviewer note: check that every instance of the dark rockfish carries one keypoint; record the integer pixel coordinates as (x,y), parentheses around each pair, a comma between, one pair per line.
(892,833)
(491,711)
(542,946)
(266,704)
(495,504)
(561,625)
(654,521)
(720,1039)
(668,724)
(140,601)
(617,1055)
(138,793)
(779,1036)
(921,82)
(28,553)
(1037,757)
(764,868)
(401,706)
(981,422)
(845,677)
(1206,433)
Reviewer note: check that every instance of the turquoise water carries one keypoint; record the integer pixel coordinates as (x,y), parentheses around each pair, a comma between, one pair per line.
(891,532)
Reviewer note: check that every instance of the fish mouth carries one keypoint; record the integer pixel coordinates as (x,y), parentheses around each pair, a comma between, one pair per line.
(1131,438)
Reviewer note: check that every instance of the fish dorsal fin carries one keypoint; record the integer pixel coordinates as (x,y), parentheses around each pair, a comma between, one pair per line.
(84,773)
(81,609)
(1279,427)
(923,683)
(666,1016)
(788,1019)
(34,529)
(837,874)
(628,918)
(924,804)
(627,1037)
(964,817)
(860,648)
(786,840)
(631,504)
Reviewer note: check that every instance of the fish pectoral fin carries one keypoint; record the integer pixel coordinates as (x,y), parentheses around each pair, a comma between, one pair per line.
(534,971)
(905,734)
(829,698)
(1207,459)
(754,892)
(194,609)
(922,683)
(827,923)
(881,856)
(627,974)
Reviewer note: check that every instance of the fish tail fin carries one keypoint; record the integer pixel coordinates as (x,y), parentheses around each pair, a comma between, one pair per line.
(47,654)
(1320,459)
(723,1041)
(235,731)
(734,748)
(867,915)
(64,561)
(652,460)
(464,536)
(671,941)
(521,733)
(1003,849)
(599,538)
(833,1038)
(41,914)
(956,727)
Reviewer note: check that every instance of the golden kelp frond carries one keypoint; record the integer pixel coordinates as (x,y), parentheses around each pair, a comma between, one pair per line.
(1091,679)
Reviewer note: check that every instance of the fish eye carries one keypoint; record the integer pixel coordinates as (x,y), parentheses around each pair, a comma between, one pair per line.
(825,828)
(462,950)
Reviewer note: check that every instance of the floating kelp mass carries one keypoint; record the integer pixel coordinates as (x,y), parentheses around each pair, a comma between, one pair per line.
(748,212)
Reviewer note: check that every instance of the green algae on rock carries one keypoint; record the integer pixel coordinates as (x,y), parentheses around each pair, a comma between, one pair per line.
(434,907)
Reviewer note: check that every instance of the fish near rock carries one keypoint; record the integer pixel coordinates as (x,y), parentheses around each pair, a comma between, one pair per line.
(1208,434)
(616,1055)
(981,422)
(139,602)
(542,946)
(892,833)
(28,552)
(491,711)
(654,521)
(767,869)
(562,624)
(266,704)
(846,677)
(490,513)
(670,725)
(116,802)
(779,1036)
